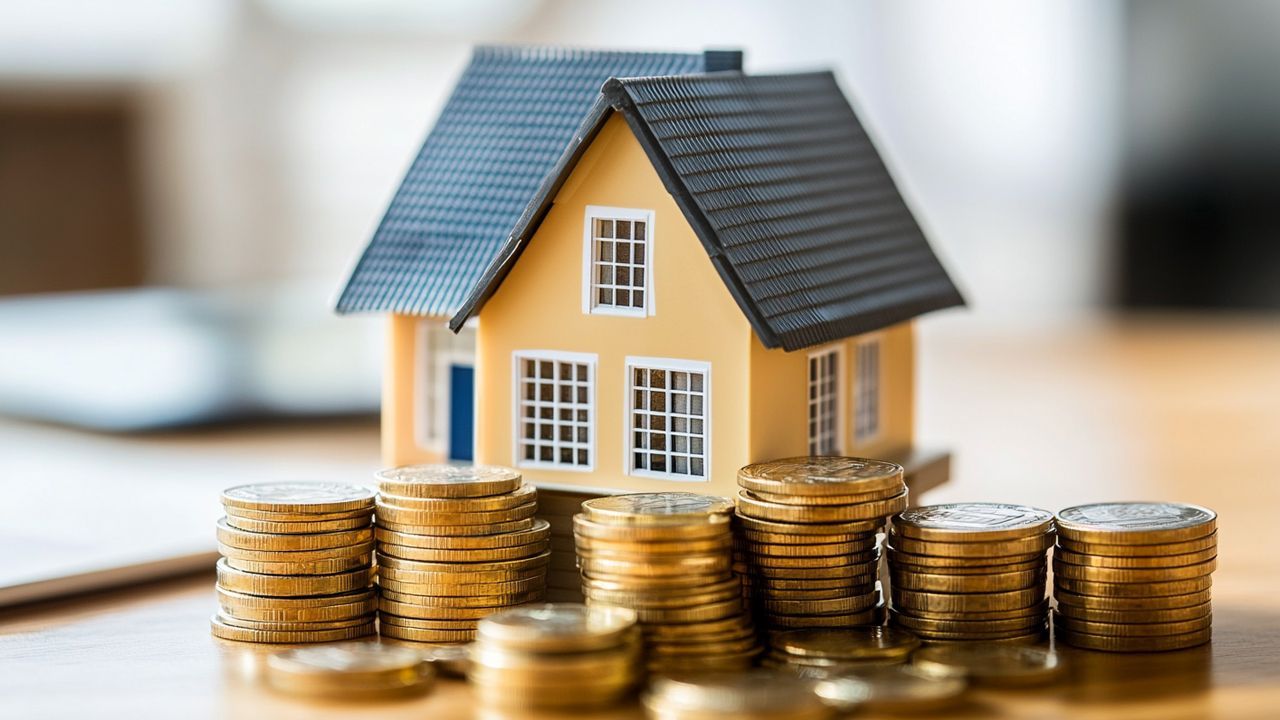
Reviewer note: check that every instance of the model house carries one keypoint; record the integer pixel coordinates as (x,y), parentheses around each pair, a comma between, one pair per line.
(670,269)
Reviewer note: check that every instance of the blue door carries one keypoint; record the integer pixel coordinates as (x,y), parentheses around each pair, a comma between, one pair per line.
(462,397)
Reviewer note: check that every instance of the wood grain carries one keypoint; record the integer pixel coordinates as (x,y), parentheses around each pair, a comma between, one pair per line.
(1053,416)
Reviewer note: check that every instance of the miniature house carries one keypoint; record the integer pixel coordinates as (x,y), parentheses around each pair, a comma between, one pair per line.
(659,268)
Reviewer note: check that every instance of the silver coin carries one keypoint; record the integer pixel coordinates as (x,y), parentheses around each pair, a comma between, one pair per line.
(301,494)
(1135,516)
(447,474)
(666,504)
(963,517)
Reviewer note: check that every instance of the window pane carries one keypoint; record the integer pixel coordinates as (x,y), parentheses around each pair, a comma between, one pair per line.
(637,298)
(696,382)
(604,228)
(623,229)
(624,252)
(637,230)
(623,298)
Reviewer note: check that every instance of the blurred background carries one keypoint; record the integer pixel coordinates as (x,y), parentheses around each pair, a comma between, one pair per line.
(185,185)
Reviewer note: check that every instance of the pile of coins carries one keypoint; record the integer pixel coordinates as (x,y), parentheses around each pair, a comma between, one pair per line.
(667,556)
(1134,577)
(563,656)
(808,543)
(741,696)
(971,571)
(820,652)
(455,544)
(296,563)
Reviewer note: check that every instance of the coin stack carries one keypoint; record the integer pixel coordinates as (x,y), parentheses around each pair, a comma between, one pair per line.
(970,571)
(296,563)
(1134,577)
(455,544)
(751,695)
(808,532)
(820,651)
(563,656)
(667,556)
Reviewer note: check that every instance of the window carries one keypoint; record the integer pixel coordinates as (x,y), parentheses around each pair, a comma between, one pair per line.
(617,261)
(824,402)
(555,410)
(668,428)
(867,391)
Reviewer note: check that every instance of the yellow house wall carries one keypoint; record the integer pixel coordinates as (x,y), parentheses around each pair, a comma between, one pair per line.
(539,307)
(779,400)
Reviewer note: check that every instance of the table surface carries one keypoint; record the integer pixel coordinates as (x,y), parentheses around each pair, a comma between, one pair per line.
(1059,414)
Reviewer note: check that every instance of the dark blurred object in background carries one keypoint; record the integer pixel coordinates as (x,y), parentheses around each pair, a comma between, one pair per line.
(69,198)
(1200,197)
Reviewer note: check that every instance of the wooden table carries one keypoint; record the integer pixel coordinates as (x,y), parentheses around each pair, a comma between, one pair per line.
(1175,409)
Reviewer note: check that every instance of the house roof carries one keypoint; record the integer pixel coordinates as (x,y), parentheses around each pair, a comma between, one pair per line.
(787,194)
(509,119)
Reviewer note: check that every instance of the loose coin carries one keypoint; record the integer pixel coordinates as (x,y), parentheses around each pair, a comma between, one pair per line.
(991,664)
(558,627)
(896,688)
(1136,523)
(349,668)
(447,481)
(873,643)
(973,522)
(663,508)
(822,476)
(756,694)
(312,497)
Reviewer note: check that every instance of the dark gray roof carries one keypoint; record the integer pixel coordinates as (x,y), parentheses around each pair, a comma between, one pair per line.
(786,192)
(509,119)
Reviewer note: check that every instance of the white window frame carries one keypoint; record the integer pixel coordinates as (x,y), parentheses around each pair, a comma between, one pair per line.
(628,424)
(860,391)
(836,418)
(601,212)
(517,418)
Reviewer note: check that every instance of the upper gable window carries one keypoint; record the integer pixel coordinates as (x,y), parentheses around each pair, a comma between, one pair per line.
(617,262)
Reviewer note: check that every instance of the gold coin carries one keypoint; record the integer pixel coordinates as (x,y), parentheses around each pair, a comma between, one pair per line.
(686,614)
(276,516)
(299,497)
(464,600)
(291,585)
(559,627)
(966,565)
(459,589)
(1134,644)
(973,522)
(999,665)
(820,500)
(1148,629)
(522,495)
(1131,604)
(841,620)
(751,506)
(897,566)
(1132,575)
(694,638)
(327,613)
(724,590)
(761,582)
(757,526)
(754,694)
(578,671)
(289,626)
(1133,589)
(1200,544)
(450,660)
(1135,562)
(812,561)
(400,632)
(462,530)
(718,544)
(1135,616)
(993,582)
(873,643)
(1023,614)
(774,539)
(298,528)
(1028,634)
(387,576)
(966,602)
(1136,523)
(352,668)
(312,567)
(447,481)
(834,606)
(701,564)
(1019,625)
(246,540)
(388,607)
(537,531)
(516,552)
(819,550)
(895,688)
(390,515)
(660,583)
(718,647)
(239,602)
(661,508)
(296,556)
(713,526)
(417,566)
(768,593)
(583,697)
(458,624)
(229,632)
(1038,637)
(803,573)
(822,476)
(993,550)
